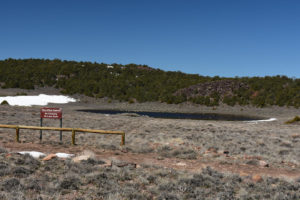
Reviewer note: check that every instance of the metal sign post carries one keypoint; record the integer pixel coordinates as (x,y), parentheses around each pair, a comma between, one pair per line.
(51,113)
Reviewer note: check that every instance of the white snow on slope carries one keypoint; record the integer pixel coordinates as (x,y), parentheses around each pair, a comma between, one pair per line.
(37,154)
(64,155)
(40,100)
(262,120)
(34,154)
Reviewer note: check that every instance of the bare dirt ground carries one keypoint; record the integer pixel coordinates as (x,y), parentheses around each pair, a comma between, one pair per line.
(266,149)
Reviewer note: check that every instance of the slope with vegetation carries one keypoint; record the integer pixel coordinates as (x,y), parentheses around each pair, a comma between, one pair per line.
(142,83)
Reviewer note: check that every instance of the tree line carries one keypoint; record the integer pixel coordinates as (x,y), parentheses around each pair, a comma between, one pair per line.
(142,83)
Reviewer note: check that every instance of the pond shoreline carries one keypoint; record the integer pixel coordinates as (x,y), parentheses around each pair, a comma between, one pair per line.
(85,102)
(177,115)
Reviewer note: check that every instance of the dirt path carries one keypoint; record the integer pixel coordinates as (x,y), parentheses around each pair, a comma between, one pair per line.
(154,159)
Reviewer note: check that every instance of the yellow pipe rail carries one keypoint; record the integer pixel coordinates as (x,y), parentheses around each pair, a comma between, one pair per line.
(63,129)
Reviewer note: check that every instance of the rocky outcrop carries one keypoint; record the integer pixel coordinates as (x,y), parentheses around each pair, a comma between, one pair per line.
(221,87)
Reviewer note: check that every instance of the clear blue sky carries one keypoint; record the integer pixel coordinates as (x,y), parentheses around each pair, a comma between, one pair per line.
(208,37)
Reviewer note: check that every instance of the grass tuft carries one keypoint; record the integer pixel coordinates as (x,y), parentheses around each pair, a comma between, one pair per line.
(296,119)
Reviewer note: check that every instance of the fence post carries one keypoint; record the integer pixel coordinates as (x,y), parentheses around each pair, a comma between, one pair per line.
(17,134)
(41,132)
(73,137)
(60,133)
(123,139)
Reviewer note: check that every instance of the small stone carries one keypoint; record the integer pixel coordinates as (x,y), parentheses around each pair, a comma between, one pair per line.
(181,164)
(212,149)
(257,178)
(138,166)
(243,174)
(263,163)
(49,157)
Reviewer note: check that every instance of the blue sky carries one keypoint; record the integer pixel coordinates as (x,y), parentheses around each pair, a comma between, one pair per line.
(209,37)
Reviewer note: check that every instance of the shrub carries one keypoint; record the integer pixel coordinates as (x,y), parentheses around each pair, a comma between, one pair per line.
(10,184)
(70,183)
(296,119)
(131,101)
(21,172)
(4,102)
(2,150)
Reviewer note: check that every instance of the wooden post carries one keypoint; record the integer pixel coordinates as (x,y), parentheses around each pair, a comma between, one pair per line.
(74,130)
(73,137)
(60,132)
(123,139)
(17,134)
(41,132)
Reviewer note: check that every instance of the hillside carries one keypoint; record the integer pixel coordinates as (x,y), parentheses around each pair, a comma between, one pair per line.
(142,83)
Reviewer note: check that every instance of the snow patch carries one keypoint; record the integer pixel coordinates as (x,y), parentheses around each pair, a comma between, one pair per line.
(40,100)
(64,155)
(37,154)
(262,120)
(34,154)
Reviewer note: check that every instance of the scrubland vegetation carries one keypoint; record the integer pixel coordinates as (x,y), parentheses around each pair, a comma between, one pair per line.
(23,177)
(162,159)
(142,83)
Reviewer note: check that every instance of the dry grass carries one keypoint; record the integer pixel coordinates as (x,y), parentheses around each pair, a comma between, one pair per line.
(294,120)
(273,142)
(24,177)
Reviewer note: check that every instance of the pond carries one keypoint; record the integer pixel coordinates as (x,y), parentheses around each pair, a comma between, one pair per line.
(171,115)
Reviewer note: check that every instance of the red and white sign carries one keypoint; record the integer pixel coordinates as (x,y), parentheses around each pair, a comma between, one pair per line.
(51,113)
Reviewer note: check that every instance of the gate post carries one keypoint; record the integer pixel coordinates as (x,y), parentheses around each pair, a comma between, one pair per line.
(41,132)
(17,134)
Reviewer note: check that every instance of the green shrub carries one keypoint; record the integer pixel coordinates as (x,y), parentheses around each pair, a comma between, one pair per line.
(131,101)
(4,102)
(296,119)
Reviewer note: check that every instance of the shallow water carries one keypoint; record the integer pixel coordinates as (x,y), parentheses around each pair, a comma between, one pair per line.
(169,115)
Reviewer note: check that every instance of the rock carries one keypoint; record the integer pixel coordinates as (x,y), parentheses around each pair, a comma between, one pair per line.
(85,155)
(222,87)
(243,174)
(181,164)
(263,163)
(138,166)
(257,178)
(121,163)
(80,158)
(212,150)
(49,157)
